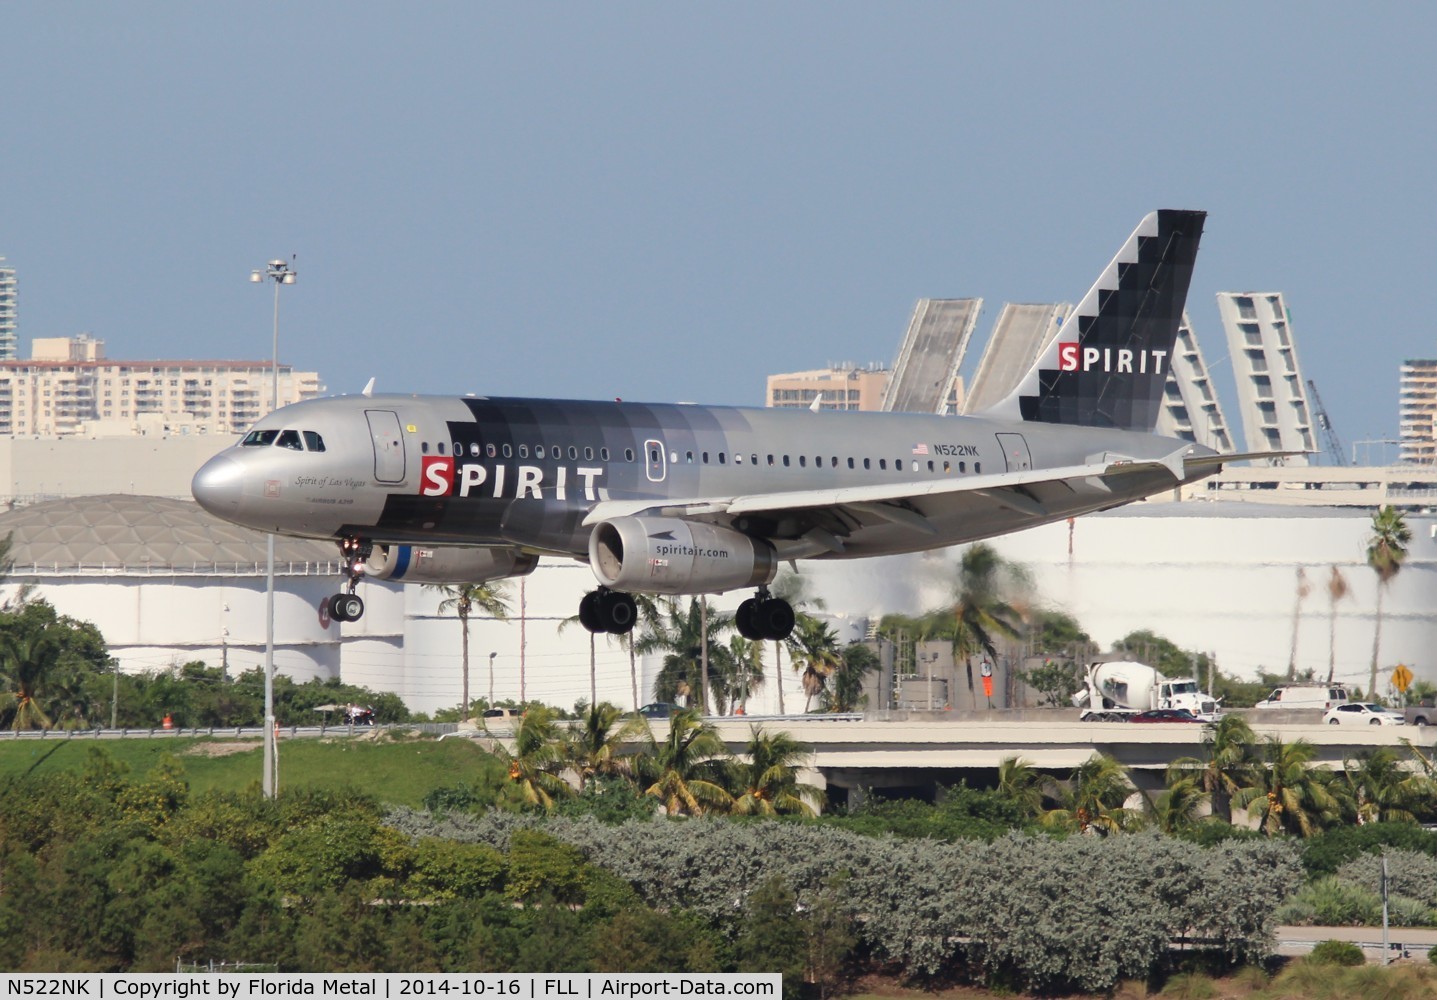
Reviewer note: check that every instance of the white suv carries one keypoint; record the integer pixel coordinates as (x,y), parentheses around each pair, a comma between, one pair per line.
(1363,714)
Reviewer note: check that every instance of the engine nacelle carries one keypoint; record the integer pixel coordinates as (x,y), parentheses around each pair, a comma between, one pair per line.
(665,555)
(446,564)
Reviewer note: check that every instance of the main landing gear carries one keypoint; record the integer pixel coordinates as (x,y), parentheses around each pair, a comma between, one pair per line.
(605,610)
(764,617)
(349,606)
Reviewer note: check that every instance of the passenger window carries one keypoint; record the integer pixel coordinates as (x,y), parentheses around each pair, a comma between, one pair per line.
(689,457)
(523,451)
(723,459)
(834,461)
(259,439)
(538,451)
(785,461)
(474,449)
(654,455)
(977,468)
(962,466)
(946,468)
(490,450)
(754,459)
(313,441)
(458,449)
(588,454)
(737,459)
(706,458)
(770,460)
(850,463)
(573,453)
(883,464)
(803,461)
(439,447)
(628,454)
(930,465)
(868,463)
(604,454)
(424,447)
(508,451)
(290,440)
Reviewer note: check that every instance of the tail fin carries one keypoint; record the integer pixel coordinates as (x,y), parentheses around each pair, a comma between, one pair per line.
(1107,365)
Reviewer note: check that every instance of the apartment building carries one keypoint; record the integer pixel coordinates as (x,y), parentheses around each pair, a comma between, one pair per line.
(8,291)
(1417,411)
(68,387)
(841,388)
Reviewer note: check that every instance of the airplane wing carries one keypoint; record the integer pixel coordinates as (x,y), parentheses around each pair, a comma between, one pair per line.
(828,519)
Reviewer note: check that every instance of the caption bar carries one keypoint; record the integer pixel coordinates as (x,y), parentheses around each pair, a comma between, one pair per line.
(222,984)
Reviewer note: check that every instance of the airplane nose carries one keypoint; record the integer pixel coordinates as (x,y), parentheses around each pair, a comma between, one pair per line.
(217,486)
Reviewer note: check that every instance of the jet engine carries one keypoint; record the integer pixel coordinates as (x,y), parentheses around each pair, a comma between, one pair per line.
(446,564)
(666,555)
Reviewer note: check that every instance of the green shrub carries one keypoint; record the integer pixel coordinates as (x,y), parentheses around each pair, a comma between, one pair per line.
(1432,955)
(1325,853)
(1336,903)
(1336,953)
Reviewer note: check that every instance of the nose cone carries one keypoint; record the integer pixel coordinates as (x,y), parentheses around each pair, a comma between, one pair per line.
(217,486)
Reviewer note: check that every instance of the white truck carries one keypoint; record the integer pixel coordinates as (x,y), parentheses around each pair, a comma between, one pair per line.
(1117,690)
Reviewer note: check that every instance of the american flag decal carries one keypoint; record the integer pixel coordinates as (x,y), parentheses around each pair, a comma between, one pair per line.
(920,449)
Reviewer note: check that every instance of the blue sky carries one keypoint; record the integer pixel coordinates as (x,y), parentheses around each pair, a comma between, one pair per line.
(665,202)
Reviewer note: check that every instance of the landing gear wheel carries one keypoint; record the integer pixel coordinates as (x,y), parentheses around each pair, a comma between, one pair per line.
(589,613)
(774,619)
(619,612)
(346,607)
(743,619)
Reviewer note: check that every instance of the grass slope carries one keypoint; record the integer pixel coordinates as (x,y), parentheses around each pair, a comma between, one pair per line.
(401,772)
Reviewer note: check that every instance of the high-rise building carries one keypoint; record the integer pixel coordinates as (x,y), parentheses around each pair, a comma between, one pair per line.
(1272,397)
(68,387)
(7,311)
(841,388)
(1417,413)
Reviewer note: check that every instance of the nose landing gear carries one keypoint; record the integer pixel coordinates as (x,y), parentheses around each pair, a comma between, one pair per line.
(764,617)
(349,606)
(605,610)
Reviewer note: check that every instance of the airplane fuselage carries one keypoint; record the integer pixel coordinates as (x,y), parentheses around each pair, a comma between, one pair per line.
(476,471)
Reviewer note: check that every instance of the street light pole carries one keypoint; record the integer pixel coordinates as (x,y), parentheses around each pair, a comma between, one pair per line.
(280,273)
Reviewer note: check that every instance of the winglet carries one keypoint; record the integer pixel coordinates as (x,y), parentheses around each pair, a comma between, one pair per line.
(368,387)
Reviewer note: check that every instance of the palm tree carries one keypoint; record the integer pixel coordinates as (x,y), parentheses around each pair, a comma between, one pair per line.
(26,664)
(682,635)
(1180,806)
(793,588)
(1092,800)
(1382,789)
(1386,549)
(1336,591)
(686,771)
(1022,785)
(597,741)
(462,598)
(537,758)
(813,649)
(981,611)
(1288,795)
(747,679)
(765,782)
(1232,763)
(1303,589)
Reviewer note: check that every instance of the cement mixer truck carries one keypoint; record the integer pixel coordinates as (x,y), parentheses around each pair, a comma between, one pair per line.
(1117,690)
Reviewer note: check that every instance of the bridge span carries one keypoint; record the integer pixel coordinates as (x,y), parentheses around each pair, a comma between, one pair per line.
(919,749)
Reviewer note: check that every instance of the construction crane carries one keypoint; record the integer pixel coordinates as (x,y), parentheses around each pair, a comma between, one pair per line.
(1334,443)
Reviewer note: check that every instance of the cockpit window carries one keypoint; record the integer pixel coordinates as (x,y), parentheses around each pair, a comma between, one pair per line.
(313,441)
(256,439)
(290,440)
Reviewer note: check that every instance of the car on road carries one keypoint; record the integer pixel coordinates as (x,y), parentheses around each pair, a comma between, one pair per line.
(1363,714)
(658,710)
(1166,715)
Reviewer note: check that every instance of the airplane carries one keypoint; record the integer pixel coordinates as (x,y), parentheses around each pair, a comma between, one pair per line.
(680,499)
